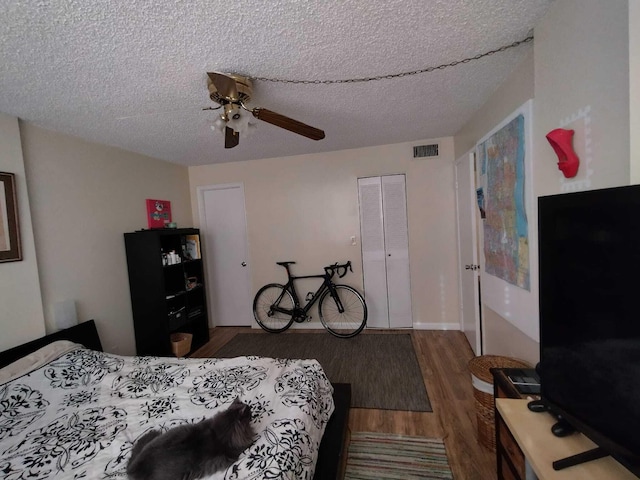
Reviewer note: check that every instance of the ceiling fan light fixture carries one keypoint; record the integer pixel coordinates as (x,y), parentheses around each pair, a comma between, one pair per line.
(239,122)
(231,111)
(219,124)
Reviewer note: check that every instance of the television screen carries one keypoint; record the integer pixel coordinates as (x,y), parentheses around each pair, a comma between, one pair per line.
(589,259)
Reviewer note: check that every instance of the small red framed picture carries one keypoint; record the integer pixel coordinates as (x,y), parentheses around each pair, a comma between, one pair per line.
(158,213)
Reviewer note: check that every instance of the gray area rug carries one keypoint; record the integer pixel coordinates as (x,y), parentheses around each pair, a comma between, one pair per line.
(382,369)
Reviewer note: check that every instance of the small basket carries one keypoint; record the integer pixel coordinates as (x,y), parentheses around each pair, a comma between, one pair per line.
(181,343)
(482,380)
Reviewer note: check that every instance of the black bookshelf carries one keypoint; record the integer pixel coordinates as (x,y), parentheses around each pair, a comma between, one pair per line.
(166,281)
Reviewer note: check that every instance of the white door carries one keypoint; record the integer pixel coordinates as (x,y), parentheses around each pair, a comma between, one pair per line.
(224,227)
(469,286)
(385,251)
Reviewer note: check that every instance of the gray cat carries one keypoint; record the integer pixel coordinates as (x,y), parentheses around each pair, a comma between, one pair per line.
(188,452)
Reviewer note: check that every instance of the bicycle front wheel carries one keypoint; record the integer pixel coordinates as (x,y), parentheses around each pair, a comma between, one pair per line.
(268,297)
(348,323)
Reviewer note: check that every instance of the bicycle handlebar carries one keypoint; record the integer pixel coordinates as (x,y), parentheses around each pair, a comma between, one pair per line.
(341,270)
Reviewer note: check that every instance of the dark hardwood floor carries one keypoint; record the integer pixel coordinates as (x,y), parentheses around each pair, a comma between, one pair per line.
(443,358)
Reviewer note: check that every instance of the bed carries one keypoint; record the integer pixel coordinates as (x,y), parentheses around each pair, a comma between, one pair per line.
(69,410)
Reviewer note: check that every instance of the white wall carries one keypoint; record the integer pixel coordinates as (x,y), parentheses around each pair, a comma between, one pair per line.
(501,337)
(84,197)
(516,90)
(581,81)
(305,209)
(21,315)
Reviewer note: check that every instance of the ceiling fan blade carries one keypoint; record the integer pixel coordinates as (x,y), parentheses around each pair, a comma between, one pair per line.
(288,123)
(225,85)
(231,137)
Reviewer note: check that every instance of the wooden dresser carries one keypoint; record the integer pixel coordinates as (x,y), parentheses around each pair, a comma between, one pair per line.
(531,433)
(526,448)
(510,459)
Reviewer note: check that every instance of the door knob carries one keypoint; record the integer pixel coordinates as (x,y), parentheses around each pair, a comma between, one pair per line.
(244,264)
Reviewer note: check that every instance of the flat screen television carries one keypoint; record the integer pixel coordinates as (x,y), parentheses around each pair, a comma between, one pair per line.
(589,273)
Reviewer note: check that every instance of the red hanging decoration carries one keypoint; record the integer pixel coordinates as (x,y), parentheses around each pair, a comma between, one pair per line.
(562,142)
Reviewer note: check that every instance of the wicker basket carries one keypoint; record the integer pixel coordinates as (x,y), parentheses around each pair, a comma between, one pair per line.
(482,381)
(181,343)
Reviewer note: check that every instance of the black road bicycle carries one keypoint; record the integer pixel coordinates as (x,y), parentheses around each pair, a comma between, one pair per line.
(342,309)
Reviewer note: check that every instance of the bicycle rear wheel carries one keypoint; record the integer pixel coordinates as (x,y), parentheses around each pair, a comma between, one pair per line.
(348,323)
(267,297)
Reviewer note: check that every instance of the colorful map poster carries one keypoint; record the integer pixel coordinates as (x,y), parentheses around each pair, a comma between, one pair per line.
(506,238)
(508,232)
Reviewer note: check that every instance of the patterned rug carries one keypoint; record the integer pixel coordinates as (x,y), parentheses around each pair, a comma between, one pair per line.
(379,456)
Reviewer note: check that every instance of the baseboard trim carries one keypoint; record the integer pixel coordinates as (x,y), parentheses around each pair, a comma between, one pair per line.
(416,326)
(306,326)
(436,326)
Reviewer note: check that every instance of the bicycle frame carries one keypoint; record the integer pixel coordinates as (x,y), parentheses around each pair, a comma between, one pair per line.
(300,312)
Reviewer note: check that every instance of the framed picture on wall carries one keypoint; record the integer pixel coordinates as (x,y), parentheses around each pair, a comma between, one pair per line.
(158,213)
(10,250)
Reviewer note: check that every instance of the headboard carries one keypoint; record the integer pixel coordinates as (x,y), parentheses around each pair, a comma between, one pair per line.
(84,333)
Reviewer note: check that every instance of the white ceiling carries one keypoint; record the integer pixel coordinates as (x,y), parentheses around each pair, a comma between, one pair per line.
(132,74)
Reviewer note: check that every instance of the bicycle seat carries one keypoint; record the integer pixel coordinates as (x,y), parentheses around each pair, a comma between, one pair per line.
(284,264)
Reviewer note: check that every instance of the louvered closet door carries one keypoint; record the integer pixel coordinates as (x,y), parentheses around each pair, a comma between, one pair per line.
(385,251)
(396,240)
(373,256)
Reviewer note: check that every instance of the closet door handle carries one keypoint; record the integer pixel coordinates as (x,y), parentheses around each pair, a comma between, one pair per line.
(244,264)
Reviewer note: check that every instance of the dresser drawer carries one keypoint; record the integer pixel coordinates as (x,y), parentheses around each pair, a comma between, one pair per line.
(506,472)
(510,450)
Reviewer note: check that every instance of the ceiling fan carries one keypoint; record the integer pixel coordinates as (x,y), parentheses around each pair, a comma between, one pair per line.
(232,91)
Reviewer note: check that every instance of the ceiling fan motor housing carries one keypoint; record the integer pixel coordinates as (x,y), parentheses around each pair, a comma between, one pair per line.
(244,88)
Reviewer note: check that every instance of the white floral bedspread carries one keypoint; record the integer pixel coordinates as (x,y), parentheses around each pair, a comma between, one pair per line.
(78,416)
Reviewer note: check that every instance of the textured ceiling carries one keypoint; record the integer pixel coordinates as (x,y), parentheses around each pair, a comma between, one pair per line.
(132,74)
